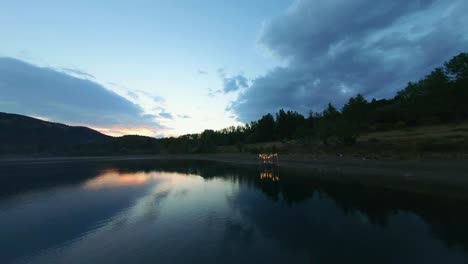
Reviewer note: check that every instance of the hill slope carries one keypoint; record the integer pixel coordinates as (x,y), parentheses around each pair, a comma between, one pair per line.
(26,135)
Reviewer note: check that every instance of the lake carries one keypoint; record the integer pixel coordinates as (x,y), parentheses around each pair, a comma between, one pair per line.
(206,212)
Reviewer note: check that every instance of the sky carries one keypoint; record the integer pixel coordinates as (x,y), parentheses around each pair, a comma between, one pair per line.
(167,68)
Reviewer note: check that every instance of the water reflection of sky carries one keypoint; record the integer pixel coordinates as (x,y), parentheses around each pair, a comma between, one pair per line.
(132,216)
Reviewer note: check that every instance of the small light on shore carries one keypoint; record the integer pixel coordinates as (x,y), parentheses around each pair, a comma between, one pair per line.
(268,158)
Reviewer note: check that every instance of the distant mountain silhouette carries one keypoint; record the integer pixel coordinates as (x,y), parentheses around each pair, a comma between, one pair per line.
(23,135)
(26,135)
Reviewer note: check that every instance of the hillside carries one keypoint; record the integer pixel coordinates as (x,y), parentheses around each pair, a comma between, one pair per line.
(443,141)
(22,134)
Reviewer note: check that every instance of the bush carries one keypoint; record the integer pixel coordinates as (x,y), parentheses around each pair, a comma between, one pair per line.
(428,121)
(400,125)
(346,132)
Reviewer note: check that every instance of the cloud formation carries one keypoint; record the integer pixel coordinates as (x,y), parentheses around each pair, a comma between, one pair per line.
(45,92)
(234,83)
(336,49)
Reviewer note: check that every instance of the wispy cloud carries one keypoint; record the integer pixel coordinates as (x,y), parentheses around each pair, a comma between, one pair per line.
(78,72)
(213,93)
(155,98)
(166,115)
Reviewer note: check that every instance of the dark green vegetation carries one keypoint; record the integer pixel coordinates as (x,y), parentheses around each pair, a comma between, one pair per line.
(438,99)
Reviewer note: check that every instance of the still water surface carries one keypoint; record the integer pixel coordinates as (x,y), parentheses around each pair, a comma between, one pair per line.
(199,212)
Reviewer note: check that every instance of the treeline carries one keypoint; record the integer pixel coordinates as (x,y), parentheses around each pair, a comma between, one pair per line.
(440,97)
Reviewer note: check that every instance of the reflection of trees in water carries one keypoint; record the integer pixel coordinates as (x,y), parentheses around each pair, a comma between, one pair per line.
(447,218)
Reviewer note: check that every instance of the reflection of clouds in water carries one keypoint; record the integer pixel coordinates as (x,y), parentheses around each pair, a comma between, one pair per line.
(114,178)
(145,209)
(230,217)
(145,222)
(161,185)
(181,193)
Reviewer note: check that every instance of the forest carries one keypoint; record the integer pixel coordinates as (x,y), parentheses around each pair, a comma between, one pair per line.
(438,98)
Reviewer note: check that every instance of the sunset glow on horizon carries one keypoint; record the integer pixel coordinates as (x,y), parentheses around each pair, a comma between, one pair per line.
(168,68)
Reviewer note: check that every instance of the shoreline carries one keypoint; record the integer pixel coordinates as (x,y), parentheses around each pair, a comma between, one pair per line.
(447,177)
(458,167)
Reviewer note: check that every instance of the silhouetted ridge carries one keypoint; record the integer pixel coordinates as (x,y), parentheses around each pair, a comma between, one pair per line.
(22,134)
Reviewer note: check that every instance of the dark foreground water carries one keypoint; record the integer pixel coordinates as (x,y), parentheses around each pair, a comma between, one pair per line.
(192,212)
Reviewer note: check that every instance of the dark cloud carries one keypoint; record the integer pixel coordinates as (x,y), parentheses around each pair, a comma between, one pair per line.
(32,90)
(234,83)
(336,49)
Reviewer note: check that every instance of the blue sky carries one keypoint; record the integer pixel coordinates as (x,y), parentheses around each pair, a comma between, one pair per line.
(169,49)
(176,67)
